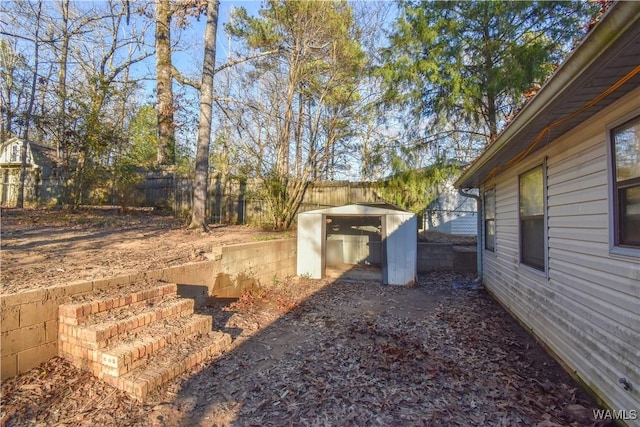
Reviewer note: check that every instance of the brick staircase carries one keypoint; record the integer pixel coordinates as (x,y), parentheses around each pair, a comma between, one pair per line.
(138,340)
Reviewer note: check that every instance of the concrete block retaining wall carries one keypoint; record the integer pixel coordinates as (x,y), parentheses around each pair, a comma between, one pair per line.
(240,267)
(29,320)
(446,257)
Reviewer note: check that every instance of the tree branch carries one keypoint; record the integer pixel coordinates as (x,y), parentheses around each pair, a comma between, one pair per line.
(177,75)
(233,62)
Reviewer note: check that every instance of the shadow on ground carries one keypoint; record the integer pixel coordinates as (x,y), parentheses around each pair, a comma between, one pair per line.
(356,353)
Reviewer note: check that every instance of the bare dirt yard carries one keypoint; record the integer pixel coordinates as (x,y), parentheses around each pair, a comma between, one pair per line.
(51,247)
(304,352)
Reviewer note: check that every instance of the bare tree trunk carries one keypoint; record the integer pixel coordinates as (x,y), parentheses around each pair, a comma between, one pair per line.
(61,143)
(62,78)
(299,130)
(198,217)
(23,151)
(166,134)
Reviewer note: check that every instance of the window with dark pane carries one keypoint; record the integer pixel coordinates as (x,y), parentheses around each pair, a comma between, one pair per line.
(490,220)
(15,155)
(532,219)
(626,149)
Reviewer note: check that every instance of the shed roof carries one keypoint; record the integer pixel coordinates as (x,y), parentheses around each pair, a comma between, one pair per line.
(361,209)
(603,68)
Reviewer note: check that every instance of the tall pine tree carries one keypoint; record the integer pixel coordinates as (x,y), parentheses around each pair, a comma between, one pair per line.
(471,62)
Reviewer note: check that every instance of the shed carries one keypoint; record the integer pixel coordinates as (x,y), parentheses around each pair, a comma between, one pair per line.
(375,240)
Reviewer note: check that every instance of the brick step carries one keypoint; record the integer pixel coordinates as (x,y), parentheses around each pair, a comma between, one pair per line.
(170,362)
(76,313)
(98,331)
(136,349)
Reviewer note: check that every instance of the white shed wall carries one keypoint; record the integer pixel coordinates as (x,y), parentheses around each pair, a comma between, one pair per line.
(587,309)
(402,249)
(310,238)
(400,234)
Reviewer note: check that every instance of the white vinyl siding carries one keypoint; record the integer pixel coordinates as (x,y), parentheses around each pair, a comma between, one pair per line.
(587,309)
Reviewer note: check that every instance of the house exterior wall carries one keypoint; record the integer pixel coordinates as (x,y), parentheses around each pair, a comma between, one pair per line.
(451,213)
(586,307)
(10,186)
(10,153)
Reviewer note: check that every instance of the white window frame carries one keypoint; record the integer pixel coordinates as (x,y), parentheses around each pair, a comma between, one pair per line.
(545,209)
(614,248)
(491,189)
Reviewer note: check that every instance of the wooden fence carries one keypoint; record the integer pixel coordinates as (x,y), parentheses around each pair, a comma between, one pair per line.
(230,201)
(238,202)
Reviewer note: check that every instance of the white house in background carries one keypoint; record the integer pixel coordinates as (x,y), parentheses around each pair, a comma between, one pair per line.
(561,198)
(452,213)
(38,156)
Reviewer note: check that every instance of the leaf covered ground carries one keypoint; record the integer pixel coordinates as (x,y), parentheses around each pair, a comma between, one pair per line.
(337,353)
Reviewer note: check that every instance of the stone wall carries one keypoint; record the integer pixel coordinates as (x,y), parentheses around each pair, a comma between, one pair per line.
(29,320)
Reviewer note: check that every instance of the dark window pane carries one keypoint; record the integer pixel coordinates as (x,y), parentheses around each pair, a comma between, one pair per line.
(490,204)
(532,193)
(532,241)
(627,150)
(630,215)
(490,235)
(489,223)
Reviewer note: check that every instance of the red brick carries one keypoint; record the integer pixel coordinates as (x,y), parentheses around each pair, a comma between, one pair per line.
(128,387)
(140,388)
(86,310)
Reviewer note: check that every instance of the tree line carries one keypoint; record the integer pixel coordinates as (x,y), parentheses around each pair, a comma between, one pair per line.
(401,93)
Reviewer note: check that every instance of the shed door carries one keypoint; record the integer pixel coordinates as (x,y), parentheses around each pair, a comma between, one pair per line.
(354,240)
